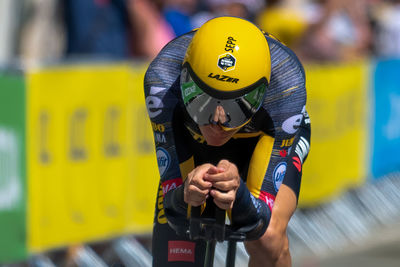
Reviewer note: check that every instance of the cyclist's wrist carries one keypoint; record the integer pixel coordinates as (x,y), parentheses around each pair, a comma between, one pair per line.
(174,201)
(178,198)
(241,192)
(243,211)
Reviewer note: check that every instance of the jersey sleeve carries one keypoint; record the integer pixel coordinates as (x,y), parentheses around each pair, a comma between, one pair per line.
(162,93)
(297,155)
(285,103)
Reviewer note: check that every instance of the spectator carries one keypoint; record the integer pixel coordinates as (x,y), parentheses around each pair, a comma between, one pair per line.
(177,13)
(341,33)
(246,9)
(283,21)
(387,41)
(97,27)
(150,31)
(42,35)
(115,29)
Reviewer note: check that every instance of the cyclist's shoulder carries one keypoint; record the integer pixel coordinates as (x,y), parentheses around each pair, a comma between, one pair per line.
(286,95)
(283,58)
(165,68)
(286,89)
(173,53)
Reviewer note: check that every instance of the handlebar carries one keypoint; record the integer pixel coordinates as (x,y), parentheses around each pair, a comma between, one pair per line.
(210,225)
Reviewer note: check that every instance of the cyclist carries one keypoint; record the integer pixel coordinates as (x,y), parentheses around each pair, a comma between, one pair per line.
(227,107)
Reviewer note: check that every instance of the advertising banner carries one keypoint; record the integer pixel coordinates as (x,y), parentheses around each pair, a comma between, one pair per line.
(92,169)
(12,169)
(386,122)
(337,105)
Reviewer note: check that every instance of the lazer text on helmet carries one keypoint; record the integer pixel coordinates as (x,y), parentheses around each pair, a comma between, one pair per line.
(223,78)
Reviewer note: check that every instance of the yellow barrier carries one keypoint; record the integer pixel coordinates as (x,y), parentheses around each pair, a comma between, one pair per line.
(91,164)
(337,104)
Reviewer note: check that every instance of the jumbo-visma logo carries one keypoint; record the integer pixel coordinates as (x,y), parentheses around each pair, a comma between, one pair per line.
(154,103)
(163,160)
(226,62)
(278,175)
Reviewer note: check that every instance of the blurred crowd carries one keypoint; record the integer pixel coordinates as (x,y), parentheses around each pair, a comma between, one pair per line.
(317,30)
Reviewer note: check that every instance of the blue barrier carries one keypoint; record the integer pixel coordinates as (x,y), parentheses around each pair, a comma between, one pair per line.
(386,119)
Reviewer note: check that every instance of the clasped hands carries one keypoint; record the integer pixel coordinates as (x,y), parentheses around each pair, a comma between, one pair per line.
(220,182)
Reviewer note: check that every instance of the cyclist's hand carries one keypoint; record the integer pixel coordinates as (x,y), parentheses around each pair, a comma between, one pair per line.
(196,189)
(225,181)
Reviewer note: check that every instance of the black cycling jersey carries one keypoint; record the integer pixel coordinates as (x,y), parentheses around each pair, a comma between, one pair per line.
(268,151)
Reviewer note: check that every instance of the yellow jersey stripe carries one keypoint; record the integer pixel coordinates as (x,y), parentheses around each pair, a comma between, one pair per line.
(186,167)
(246,135)
(259,164)
(291,88)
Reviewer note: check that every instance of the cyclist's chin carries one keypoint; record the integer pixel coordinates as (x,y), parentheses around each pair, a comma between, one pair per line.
(215,135)
(216,141)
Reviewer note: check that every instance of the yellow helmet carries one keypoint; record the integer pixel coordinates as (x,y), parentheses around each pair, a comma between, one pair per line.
(228,65)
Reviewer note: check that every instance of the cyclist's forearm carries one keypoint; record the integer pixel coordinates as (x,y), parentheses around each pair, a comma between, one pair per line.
(175,206)
(284,206)
(250,213)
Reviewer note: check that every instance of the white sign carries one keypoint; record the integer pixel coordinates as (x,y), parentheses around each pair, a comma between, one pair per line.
(10,187)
